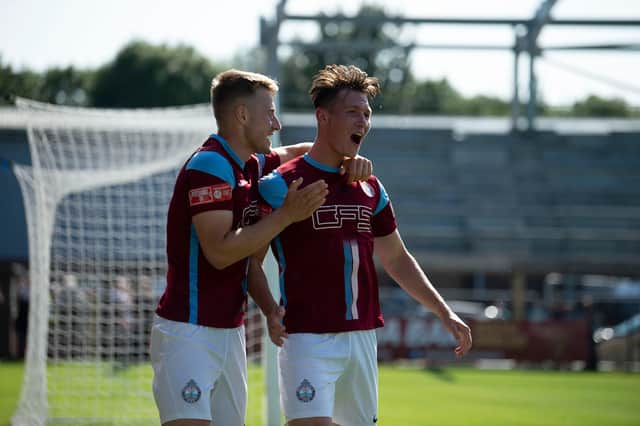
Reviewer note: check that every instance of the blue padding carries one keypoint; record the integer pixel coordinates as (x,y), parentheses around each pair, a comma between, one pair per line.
(273,189)
(214,164)
(383,201)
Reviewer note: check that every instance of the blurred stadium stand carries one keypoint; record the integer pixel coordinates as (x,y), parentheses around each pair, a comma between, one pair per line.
(503,202)
(489,213)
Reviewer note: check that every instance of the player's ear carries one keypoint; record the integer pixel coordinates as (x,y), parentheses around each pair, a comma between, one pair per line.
(322,115)
(241,113)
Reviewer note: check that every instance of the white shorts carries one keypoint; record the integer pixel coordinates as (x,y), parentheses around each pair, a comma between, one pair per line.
(199,372)
(330,375)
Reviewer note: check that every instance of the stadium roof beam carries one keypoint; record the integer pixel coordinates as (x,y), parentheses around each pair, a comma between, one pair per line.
(526,31)
(399,20)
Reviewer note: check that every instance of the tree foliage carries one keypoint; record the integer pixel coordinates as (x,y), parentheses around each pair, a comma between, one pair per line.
(63,86)
(595,106)
(144,75)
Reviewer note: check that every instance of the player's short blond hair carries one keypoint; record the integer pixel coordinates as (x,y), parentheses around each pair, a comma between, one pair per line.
(330,80)
(232,84)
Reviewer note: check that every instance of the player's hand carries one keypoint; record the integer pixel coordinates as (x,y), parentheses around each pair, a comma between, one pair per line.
(460,331)
(301,203)
(277,332)
(356,169)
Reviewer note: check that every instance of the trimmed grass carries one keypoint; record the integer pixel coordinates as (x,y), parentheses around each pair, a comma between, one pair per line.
(468,397)
(414,396)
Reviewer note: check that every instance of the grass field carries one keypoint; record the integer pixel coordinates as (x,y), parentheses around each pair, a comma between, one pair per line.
(464,397)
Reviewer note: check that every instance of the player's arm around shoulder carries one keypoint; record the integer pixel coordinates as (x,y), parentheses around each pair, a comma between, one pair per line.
(405,270)
(357,168)
(289,152)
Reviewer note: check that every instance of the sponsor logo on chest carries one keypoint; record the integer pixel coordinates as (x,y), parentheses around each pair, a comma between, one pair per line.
(336,216)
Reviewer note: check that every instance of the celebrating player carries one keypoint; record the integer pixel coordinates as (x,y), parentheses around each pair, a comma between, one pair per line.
(198,340)
(328,365)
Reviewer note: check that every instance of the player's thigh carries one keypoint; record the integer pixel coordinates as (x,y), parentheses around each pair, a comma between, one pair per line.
(309,366)
(229,396)
(185,371)
(357,389)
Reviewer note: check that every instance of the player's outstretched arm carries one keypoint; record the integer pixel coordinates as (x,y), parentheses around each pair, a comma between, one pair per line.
(258,289)
(223,246)
(405,270)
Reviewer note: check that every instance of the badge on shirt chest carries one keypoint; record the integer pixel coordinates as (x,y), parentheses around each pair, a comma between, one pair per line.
(367,189)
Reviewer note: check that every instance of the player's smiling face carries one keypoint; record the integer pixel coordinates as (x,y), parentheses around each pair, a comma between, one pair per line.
(348,121)
(263,121)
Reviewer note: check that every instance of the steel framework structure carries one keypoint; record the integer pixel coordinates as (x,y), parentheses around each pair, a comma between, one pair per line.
(526,41)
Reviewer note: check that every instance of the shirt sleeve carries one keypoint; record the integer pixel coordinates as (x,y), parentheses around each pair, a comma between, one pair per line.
(383,221)
(210,182)
(273,189)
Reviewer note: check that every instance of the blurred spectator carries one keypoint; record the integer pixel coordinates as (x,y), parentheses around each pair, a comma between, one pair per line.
(121,298)
(69,307)
(145,302)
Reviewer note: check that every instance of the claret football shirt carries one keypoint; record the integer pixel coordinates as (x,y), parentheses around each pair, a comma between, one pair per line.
(328,280)
(214,178)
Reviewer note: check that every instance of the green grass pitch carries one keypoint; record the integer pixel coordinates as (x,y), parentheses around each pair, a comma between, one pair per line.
(456,396)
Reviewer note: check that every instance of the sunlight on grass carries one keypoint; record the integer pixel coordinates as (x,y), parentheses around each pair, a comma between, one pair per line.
(408,396)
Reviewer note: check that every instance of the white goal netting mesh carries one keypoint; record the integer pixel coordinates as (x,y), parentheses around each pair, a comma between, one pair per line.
(96,199)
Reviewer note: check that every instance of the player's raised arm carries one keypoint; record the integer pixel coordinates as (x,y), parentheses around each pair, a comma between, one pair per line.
(405,270)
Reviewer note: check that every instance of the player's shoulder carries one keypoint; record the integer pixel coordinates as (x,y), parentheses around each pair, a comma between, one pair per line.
(375,182)
(211,160)
(292,168)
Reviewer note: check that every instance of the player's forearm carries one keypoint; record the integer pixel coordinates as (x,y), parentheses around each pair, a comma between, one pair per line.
(290,152)
(242,242)
(406,271)
(258,288)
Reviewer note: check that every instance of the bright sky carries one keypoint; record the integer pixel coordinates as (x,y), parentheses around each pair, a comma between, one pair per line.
(43,33)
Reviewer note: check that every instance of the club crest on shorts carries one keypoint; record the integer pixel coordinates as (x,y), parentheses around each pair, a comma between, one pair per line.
(305,391)
(191,392)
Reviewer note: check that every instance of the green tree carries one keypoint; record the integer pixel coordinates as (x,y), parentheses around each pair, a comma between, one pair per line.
(373,48)
(16,83)
(434,97)
(65,86)
(144,75)
(595,106)
(482,105)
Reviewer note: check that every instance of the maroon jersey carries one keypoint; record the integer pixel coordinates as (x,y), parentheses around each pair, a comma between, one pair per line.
(214,178)
(328,279)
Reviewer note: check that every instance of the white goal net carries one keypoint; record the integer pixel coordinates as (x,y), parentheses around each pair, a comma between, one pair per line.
(96,199)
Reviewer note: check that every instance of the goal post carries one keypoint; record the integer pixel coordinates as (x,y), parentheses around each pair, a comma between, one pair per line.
(96,197)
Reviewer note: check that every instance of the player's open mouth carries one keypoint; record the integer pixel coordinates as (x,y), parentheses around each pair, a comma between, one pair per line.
(356,138)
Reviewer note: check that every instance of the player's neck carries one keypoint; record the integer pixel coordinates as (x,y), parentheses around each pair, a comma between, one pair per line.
(323,154)
(236,143)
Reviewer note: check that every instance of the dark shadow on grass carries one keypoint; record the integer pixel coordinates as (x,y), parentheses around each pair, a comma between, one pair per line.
(440,373)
